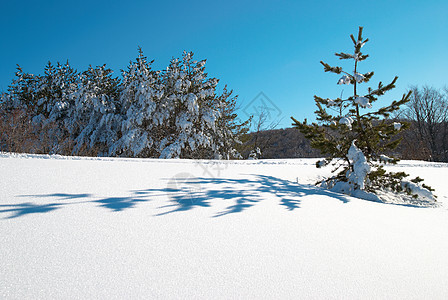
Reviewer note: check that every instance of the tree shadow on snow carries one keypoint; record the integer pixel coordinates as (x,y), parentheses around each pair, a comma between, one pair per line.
(115,204)
(188,193)
(192,192)
(118,203)
(27,208)
(22,209)
(182,198)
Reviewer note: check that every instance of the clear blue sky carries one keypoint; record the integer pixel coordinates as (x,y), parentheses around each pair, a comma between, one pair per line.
(252,46)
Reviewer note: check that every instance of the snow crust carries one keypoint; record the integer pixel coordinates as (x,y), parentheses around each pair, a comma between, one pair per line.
(109,228)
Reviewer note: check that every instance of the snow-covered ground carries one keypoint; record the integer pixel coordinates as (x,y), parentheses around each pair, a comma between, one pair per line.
(144,228)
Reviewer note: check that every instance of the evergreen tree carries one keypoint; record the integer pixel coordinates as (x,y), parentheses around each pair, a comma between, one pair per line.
(175,113)
(54,90)
(199,123)
(229,128)
(190,116)
(53,93)
(95,97)
(138,101)
(354,137)
(22,92)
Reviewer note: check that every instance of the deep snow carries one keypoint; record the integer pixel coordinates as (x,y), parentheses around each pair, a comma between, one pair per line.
(148,228)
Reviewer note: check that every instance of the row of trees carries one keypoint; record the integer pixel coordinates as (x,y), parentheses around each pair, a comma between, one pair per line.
(173,113)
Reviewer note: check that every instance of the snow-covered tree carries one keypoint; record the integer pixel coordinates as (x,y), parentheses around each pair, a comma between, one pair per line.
(354,136)
(138,101)
(175,113)
(22,92)
(194,113)
(190,118)
(45,100)
(53,93)
(95,97)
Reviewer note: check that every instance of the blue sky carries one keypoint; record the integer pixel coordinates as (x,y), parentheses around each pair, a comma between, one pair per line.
(272,47)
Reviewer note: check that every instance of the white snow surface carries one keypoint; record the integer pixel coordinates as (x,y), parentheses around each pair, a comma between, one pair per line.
(88,228)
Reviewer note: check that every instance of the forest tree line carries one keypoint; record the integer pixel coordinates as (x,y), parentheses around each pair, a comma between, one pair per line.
(173,113)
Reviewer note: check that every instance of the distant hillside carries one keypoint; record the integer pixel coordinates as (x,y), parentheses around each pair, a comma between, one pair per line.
(280,143)
(290,143)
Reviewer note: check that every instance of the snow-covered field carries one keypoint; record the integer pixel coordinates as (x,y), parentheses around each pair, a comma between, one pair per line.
(132,228)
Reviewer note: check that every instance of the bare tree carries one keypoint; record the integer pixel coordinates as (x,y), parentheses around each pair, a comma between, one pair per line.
(428,113)
(16,132)
(262,122)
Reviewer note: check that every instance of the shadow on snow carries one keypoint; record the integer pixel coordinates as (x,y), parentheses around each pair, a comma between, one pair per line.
(113,203)
(242,193)
(186,193)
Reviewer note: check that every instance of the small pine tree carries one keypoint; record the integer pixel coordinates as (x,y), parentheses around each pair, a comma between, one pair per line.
(354,138)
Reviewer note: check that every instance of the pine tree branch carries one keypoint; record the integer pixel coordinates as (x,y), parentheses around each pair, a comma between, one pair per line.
(328,68)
